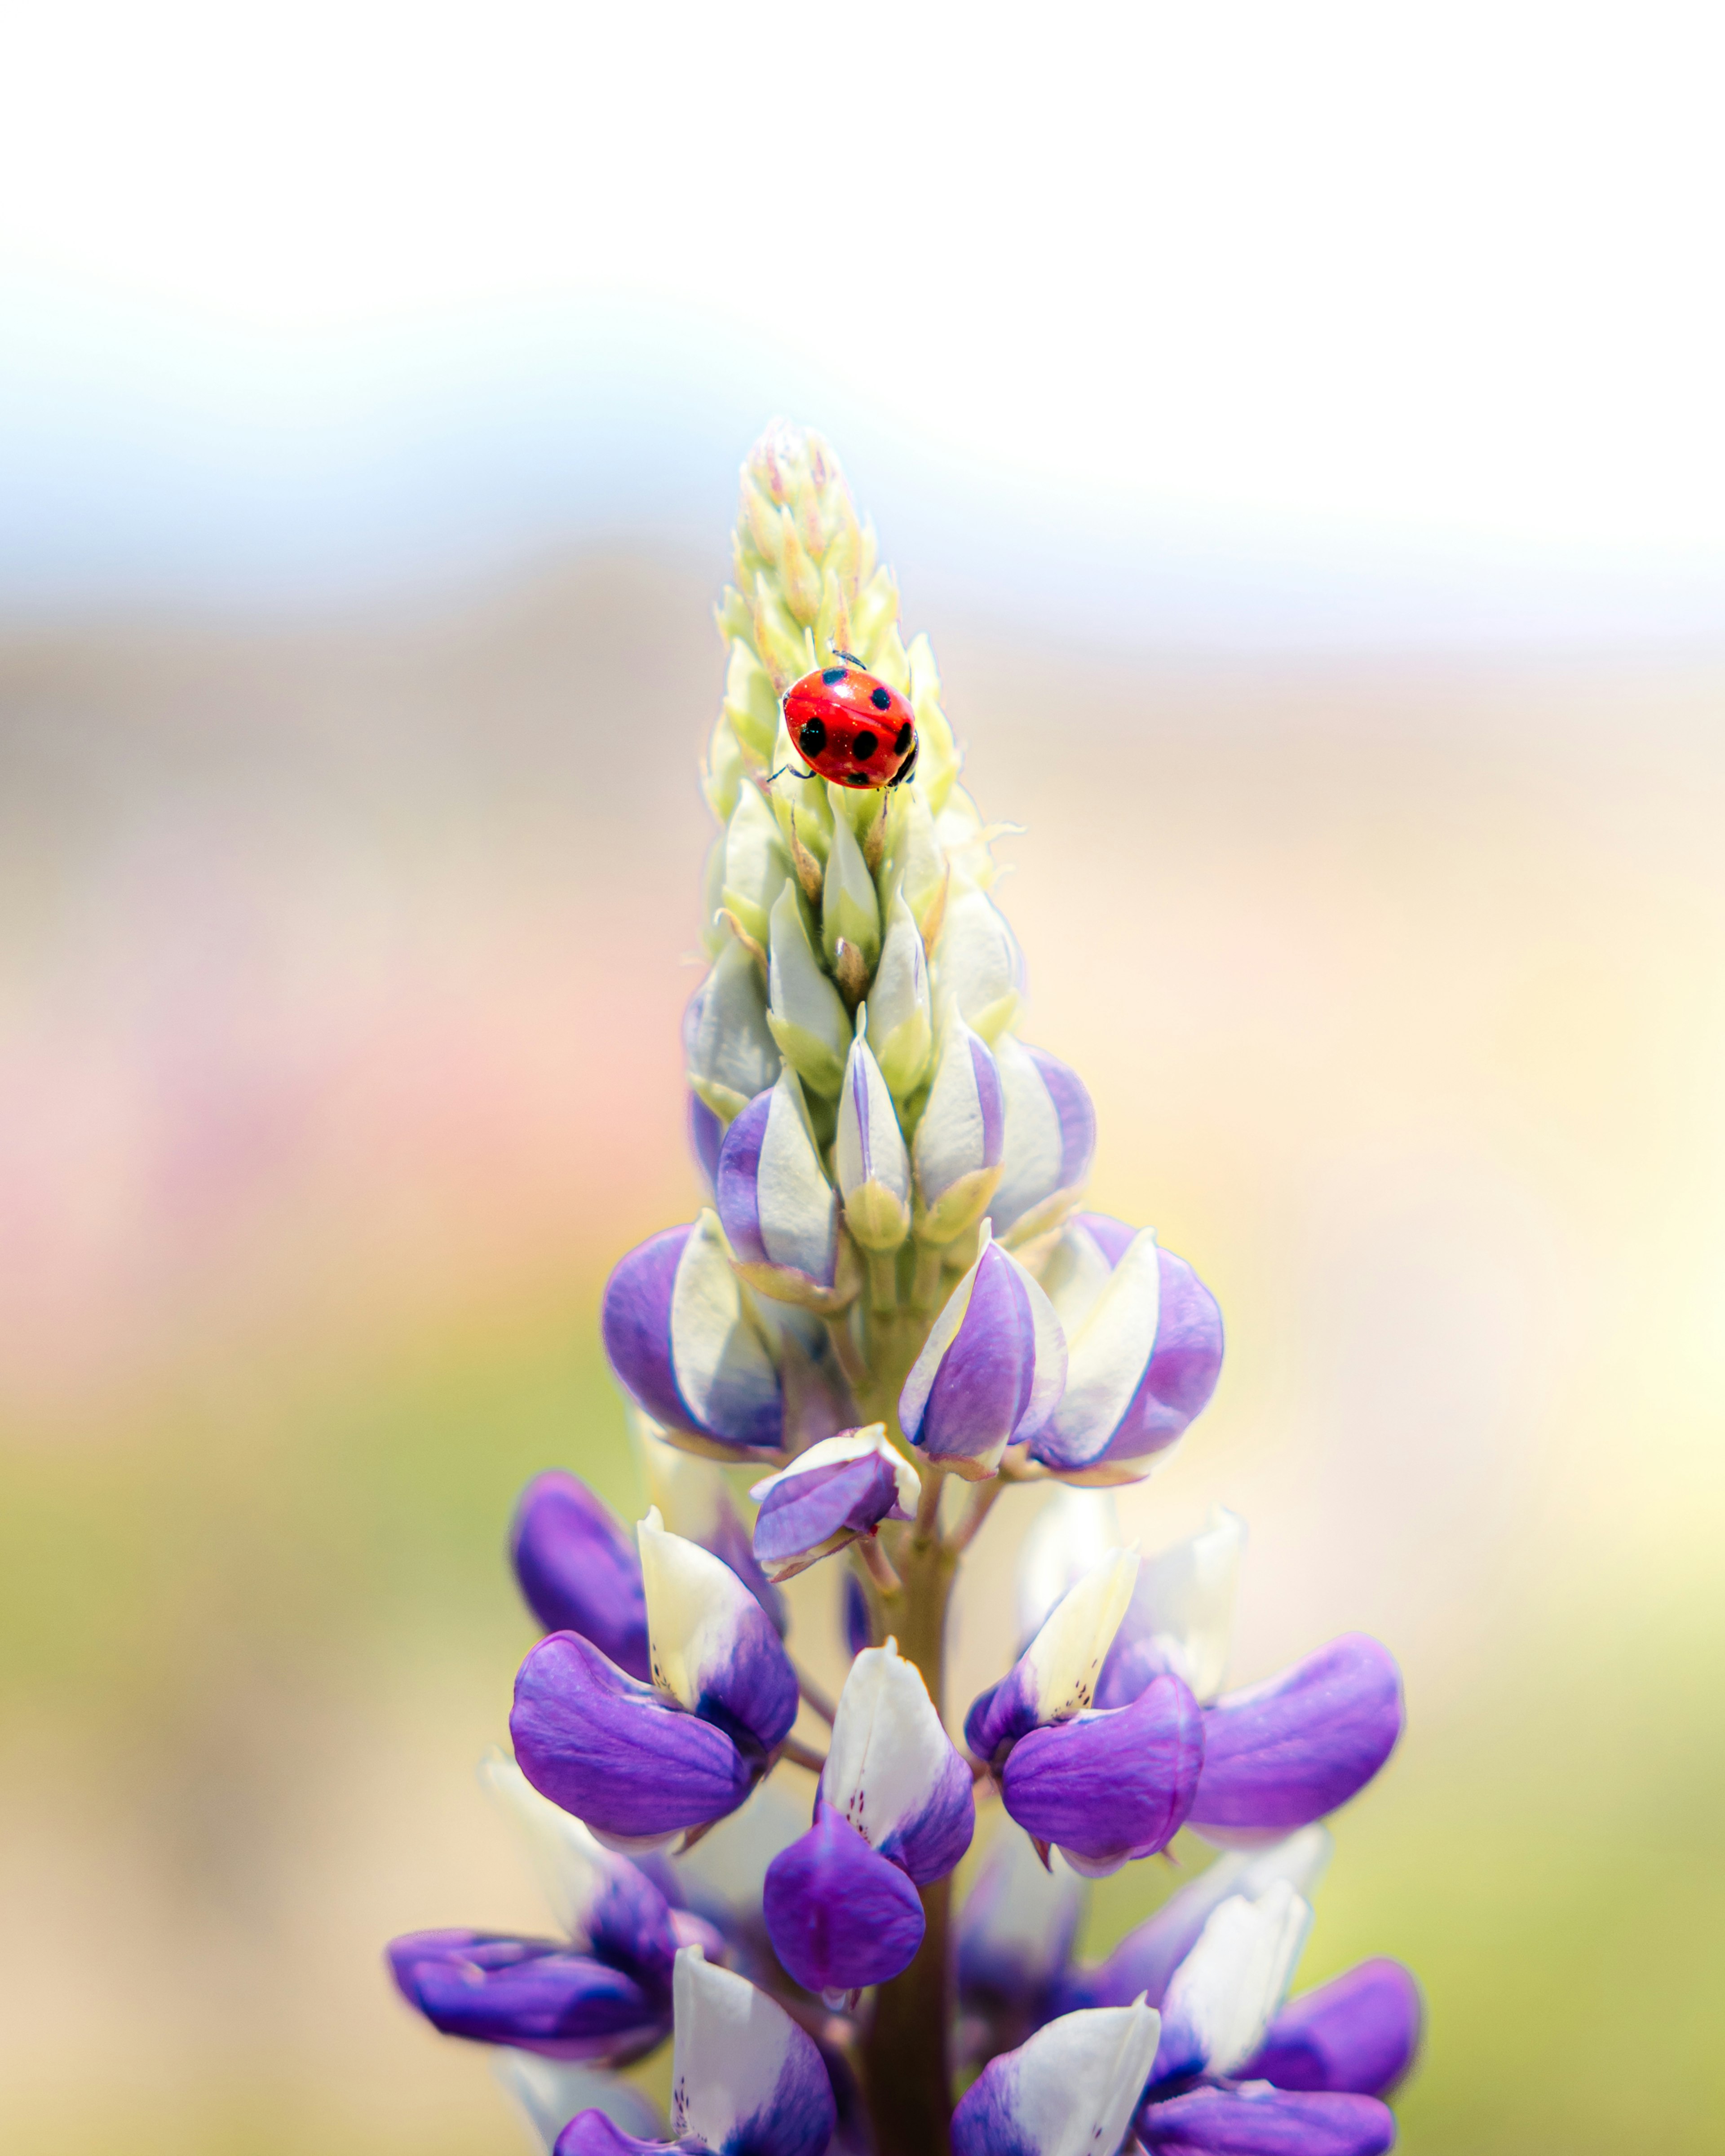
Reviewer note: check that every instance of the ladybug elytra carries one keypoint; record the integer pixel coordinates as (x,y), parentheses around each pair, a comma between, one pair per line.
(852,727)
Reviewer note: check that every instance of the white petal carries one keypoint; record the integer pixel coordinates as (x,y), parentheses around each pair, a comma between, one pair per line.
(695,1607)
(733,2047)
(1227,1990)
(801,996)
(1074,1273)
(851,1445)
(1034,1143)
(888,1751)
(551,2091)
(900,1019)
(723,1369)
(1110,1351)
(1189,1592)
(976,960)
(797,1212)
(569,1867)
(1066,1657)
(1073,1529)
(950,1139)
(1048,1383)
(690,1492)
(1078,2081)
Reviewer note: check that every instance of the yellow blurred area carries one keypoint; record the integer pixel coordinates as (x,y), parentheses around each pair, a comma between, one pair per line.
(340,969)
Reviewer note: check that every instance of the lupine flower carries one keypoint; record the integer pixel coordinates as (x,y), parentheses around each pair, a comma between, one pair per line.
(694,1500)
(957,1149)
(548,2092)
(869,1153)
(1104,1787)
(977,961)
(1069,2091)
(642,1763)
(894,1812)
(843,1488)
(1050,1134)
(779,1213)
(804,1010)
(752,865)
(900,1008)
(850,910)
(1144,1337)
(727,1043)
(1358,2035)
(578,1568)
(1015,1935)
(990,1371)
(745,2079)
(1181,1616)
(683,1347)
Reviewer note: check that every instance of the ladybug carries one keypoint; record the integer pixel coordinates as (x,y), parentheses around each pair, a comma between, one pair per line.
(853,729)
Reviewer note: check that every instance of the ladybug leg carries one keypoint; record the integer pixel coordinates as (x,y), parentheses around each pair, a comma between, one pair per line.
(784,771)
(906,770)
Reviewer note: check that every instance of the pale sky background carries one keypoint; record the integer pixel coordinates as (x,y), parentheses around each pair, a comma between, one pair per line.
(1247,324)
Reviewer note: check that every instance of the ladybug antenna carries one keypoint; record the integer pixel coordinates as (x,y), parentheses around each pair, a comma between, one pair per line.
(850,656)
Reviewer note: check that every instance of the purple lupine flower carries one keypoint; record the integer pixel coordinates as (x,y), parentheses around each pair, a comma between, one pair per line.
(1049,1135)
(1357,2036)
(956,1152)
(1144,1339)
(745,2079)
(1015,1935)
(642,1763)
(894,1811)
(683,1347)
(1070,2089)
(779,1213)
(869,1154)
(990,1371)
(1103,1786)
(578,1568)
(828,1497)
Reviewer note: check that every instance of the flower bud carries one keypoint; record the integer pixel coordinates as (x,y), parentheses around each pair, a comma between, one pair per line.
(1145,1342)
(849,909)
(976,960)
(1049,1135)
(956,1150)
(873,1169)
(756,866)
(828,1497)
(990,1372)
(683,1348)
(806,1013)
(900,1025)
(779,1213)
(727,1042)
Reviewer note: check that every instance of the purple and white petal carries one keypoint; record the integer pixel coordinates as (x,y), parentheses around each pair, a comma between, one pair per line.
(840,1915)
(617,1753)
(1356,2036)
(715,1651)
(1224,1994)
(838,1490)
(536,1994)
(1182,1616)
(680,1343)
(1056,1677)
(1147,1957)
(1016,1927)
(576,1566)
(869,1153)
(1144,1339)
(1258,2120)
(892,1771)
(956,1152)
(1108,1788)
(900,1025)
(1071,2091)
(1072,1530)
(976,960)
(1286,1752)
(706,1135)
(1049,1138)
(694,1501)
(744,2077)
(990,1371)
(549,2093)
(779,1213)
(728,1045)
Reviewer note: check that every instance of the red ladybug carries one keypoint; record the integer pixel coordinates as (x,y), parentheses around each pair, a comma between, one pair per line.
(853,729)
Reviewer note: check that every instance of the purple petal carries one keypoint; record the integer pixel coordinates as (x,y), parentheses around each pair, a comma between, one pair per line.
(1289,1751)
(590,2134)
(983,1383)
(1051,1132)
(1260,2121)
(859,1625)
(735,1183)
(1109,1787)
(803,1513)
(533,1993)
(706,1134)
(576,1565)
(1113,1238)
(840,1915)
(615,1752)
(891,1771)
(1357,2036)
(1078,1116)
(988,1100)
(635,1323)
(665,1371)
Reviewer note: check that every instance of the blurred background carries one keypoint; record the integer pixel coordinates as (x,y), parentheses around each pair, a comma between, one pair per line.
(1300,432)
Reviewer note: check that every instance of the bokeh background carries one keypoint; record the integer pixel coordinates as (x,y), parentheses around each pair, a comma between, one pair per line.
(1299,431)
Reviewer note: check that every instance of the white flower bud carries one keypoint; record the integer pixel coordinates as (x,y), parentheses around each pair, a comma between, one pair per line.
(805,1011)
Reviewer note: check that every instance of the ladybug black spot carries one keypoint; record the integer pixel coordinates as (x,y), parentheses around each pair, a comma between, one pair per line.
(856,778)
(863,747)
(907,734)
(832,674)
(811,736)
(880,700)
